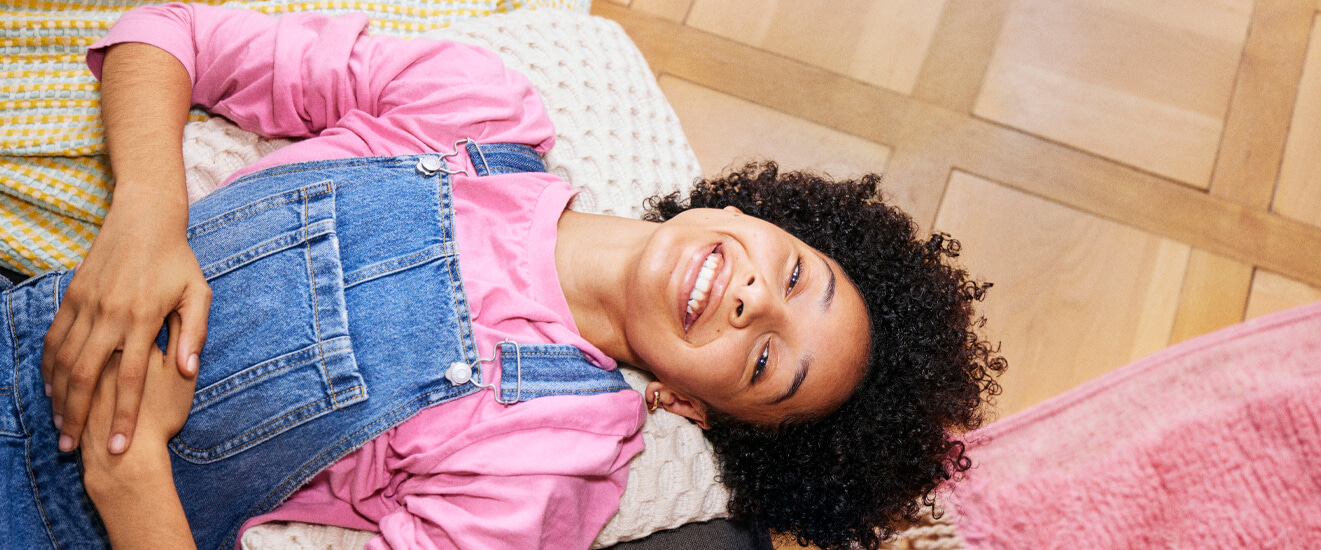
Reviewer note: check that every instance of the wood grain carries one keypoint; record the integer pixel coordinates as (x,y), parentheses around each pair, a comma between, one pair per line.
(1037,166)
(1214,295)
(1264,94)
(1272,292)
(1299,193)
(671,10)
(960,53)
(727,132)
(881,42)
(1143,83)
(1215,292)
(1075,295)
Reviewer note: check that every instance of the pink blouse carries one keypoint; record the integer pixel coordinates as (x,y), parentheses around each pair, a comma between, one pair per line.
(469,473)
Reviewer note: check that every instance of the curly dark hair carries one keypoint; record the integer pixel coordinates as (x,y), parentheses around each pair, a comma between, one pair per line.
(854,475)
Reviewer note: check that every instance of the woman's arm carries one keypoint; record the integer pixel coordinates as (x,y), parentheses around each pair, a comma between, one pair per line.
(300,74)
(134,491)
(140,268)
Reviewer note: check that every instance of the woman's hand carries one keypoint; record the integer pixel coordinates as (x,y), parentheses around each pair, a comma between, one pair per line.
(136,273)
(140,268)
(134,491)
(167,398)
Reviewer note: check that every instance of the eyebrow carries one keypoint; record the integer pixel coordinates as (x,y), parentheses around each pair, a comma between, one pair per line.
(827,298)
(799,376)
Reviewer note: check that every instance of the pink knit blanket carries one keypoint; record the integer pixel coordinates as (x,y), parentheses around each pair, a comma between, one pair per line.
(1213,443)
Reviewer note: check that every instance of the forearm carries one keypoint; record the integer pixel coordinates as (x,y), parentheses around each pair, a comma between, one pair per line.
(139,268)
(145,95)
(136,498)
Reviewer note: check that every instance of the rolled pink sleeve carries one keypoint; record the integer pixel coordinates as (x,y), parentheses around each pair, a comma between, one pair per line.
(305,75)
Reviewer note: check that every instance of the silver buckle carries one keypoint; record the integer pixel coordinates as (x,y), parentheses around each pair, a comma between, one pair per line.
(460,373)
(430,165)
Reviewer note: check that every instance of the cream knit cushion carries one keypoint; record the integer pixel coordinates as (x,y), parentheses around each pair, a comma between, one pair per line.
(619,141)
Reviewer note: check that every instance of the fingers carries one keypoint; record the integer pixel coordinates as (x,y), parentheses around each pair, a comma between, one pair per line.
(56,337)
(128,395)
(62,357)
(82,380)
(193,311)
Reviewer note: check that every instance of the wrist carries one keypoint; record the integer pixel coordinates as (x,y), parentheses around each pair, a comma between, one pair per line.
(148,216)
(136,473)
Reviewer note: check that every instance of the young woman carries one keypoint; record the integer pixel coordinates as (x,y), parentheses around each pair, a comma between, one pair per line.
(348,348)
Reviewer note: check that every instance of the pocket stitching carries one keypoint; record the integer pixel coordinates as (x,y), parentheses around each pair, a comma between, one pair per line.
(244,437)
(319,356)
(251,209)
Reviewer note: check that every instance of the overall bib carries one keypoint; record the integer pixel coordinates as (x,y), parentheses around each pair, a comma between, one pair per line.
(338,310)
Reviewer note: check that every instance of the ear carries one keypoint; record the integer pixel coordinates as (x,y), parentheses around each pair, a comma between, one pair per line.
(676,403)
(734,209)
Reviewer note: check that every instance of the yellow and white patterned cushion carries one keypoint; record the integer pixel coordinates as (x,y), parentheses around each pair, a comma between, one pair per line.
(55,185)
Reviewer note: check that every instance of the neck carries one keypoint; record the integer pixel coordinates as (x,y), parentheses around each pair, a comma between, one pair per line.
(594,257)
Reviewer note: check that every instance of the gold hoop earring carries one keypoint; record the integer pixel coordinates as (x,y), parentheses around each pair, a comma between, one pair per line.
(655,401)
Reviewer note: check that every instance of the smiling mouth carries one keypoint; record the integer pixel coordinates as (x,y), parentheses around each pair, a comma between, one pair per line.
(698,297)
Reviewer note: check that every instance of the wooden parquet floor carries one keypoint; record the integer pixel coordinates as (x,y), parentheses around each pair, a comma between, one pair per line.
(1129,174)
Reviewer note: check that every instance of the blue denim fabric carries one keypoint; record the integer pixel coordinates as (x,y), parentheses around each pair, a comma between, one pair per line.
(338,307)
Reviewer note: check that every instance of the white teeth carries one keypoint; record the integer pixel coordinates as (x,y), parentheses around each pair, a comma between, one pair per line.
(697,298)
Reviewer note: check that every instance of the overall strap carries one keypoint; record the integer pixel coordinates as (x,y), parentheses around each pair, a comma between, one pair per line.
(503,158)
(529,370)
(543,370)
(488,159)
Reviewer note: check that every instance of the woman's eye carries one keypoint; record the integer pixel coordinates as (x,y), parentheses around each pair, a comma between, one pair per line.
(761,362)
(793,278)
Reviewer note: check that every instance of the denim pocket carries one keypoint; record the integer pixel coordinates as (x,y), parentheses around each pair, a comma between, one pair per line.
(277,352)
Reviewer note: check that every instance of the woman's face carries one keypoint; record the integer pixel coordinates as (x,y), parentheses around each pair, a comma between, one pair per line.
(731,312)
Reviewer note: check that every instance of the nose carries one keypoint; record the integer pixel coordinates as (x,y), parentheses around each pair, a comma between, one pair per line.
(753,300)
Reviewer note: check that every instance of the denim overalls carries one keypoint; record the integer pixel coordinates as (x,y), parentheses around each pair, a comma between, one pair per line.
(338,312)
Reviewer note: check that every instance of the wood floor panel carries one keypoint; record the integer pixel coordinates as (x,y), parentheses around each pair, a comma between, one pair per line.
(1215,291)
(672,10)
(1075,295)
(1265,92)
(960,53)
(1147,87)
(1214,295)
(881,42)
(1040,167)
(727,131)
(1272,292)
(1299,193)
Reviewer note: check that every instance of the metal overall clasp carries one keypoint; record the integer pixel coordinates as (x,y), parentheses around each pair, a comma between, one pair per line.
(460,373)
(430,165)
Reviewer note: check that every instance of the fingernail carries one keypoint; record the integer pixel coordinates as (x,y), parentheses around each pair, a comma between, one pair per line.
(192,364)
(66,443)
(59,421)
(118,443)
(47,390)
